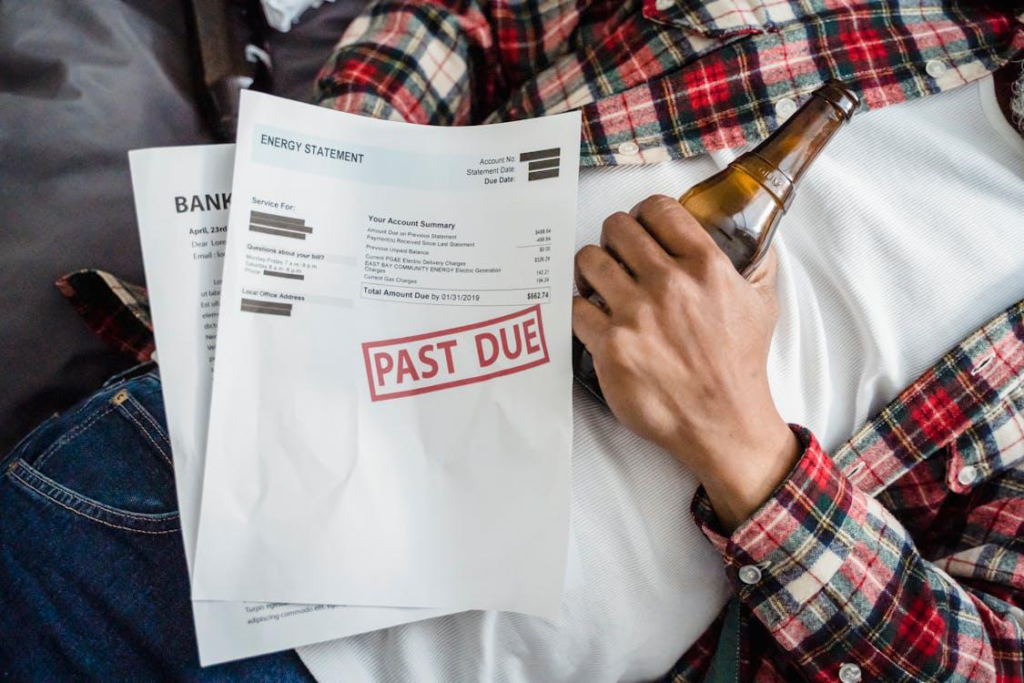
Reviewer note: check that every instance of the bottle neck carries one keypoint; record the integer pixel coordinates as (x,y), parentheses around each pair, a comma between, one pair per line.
(779,162)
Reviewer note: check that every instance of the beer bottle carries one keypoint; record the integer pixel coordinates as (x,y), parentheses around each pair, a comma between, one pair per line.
(741,206)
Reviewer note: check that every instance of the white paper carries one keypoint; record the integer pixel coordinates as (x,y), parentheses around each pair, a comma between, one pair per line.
(349,462)
(182,195)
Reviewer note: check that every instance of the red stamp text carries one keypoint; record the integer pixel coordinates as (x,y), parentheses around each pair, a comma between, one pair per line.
(408,366)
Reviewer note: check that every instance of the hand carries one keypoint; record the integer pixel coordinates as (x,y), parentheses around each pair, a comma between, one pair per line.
(680,344)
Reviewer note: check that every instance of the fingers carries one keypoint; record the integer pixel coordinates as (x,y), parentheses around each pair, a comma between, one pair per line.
(596,271)
(643,243)
(673,227)
(625,239)
(588,321)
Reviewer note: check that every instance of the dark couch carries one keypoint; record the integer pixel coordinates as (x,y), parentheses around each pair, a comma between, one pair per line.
(81,83)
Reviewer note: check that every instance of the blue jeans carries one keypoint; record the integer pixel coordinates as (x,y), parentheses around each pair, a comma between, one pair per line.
(93,583)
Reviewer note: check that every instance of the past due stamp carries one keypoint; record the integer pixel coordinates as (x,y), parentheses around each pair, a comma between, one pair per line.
(408,366)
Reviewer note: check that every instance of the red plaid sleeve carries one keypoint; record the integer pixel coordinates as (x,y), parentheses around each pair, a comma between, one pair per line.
(838,582)
(116,310)
(442,62)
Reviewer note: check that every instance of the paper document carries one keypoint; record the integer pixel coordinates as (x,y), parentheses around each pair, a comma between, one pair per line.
(391,414)
(182,196)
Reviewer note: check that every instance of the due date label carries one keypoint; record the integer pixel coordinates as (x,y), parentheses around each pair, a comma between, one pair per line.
(408,366)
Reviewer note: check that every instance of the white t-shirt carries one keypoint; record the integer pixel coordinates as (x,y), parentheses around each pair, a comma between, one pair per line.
(906,235)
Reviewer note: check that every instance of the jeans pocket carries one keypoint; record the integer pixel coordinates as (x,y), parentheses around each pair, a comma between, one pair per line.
(108,459)
(38,484)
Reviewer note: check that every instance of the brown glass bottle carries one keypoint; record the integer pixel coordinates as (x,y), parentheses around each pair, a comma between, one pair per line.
(741,206)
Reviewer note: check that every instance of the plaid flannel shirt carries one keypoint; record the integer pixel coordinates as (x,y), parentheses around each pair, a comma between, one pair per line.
(656,79)
(900,557)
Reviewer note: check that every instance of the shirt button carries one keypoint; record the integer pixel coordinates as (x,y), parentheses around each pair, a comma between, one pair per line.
(968,475)
(785,107)
(849,673)
(662,5)
(935,67)
(629,148)
(750,574)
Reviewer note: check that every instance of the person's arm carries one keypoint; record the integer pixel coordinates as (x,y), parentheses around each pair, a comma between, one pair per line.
(442,62)
(680,343)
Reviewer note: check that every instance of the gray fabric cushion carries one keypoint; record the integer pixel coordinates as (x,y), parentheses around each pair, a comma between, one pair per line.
(81,83)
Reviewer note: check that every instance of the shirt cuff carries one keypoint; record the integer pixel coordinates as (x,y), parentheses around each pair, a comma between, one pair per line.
(792,546)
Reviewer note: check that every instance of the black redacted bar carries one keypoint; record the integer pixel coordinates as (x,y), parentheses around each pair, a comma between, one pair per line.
(541,175)
(545,163)
(280,232)
(262,217)
(541,154)
(287,276)
(266,307)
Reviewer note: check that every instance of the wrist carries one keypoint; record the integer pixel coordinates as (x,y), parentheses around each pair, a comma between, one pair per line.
(738,485)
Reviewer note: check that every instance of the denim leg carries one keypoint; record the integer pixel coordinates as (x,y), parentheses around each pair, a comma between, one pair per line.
(93,582)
